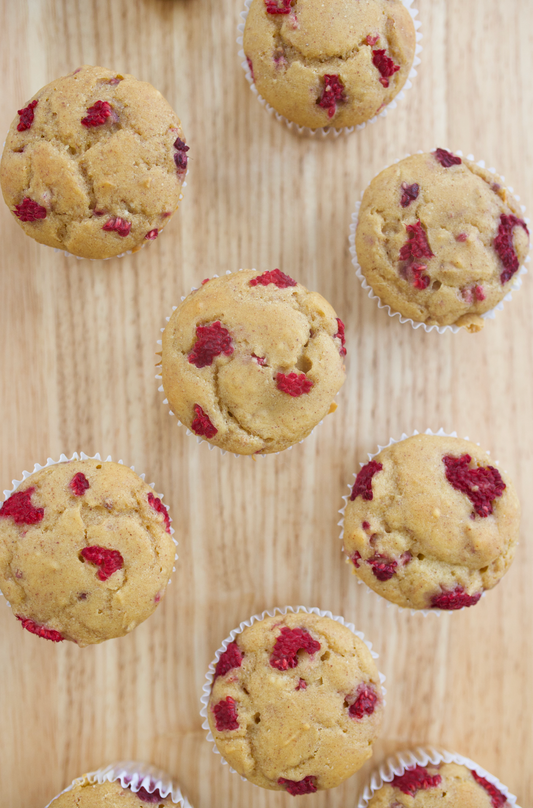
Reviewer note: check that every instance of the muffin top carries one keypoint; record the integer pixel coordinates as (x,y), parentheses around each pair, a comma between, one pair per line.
(296,703)
(252,361)
(94,164)
(431,523)
(329,64)
(440,240)
(85,551)
(108,795)
(447,785)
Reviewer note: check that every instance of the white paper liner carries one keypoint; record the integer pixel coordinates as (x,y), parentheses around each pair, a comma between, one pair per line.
(330,130)
(134,775)
(423,756)
(516,282)
(209,677)
(389,604)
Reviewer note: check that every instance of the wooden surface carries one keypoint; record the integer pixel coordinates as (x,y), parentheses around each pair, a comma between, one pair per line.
(77,362)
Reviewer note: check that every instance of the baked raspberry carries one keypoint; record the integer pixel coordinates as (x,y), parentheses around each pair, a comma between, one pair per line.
(332,93)
(20,508)
(372,40)
(40,631)
(278,6)
(158,506)
(365,701)
(497,798)
(276,276)
(481,485)
(226,715)
(97,114)
(355,559)
(298,787)
(259,359)
(211,341)
(366,525)
(382,567)
(504,246)
(26,117)
(409,194)
(446,158)
(231,658)
(202,425)
(294,384)
(79,484)
(363,481)
(146,796)
(152,234)
(419,280)
(288,643)
(181,158)
(302,684)
(462,237)
(118,225)
(385,65)
(340,335)
(453,599)
(251,68)
(29,211)
(109,561)
(479,293)
(415,779)
(417,245)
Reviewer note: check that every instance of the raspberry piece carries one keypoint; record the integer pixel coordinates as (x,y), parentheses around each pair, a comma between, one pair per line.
(294,384)
(202,425)
(231,658)
(20,508)
(158,506)
(259,359)
(385,65)
(497,798)
(226,715)
(40,631)
(420,281)
(479,293)
(250,67)
(363,481)
(97,114)
(340,335)
(365,702)
(409,194)
(417,245)
(462,237)
(278,6)
(372,40)
(29,211)
(446,158)
(26,117)
(288,643)
(298,787)
(415,779)
(146,796)
(152,234)
(481,485)
(454,599)
(79,484)
(302,685)
(109,561)
(118,225)
(276,276)
(332,93)
(366,525)
(355,559)
(180,158)
(382,567)
(504,246)
(211,341)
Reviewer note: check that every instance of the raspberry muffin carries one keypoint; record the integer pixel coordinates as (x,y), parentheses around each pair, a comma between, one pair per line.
(252,361)
(329,64)
(440,239)
(85,551)
(108,795)
(94,164)
(296,703)
(431,523)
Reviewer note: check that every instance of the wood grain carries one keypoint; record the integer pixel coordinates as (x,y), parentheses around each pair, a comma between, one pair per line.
(77,349)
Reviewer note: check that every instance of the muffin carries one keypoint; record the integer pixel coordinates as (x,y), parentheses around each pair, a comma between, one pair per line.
(440,240)
(329,64)
(86,551)
(296,703)
(431,524)
(252,361)
(94,164)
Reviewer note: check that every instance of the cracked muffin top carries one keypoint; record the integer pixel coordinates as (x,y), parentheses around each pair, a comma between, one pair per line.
(108,795)
(85,551)
(440,239)
(296,703)
(446,785)
(329,64)
(252,361)
(94,164)
(431,523)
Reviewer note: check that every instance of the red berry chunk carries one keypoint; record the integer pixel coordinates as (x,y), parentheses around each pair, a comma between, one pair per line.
(454,599)
(363,481)
(97,114)
(355,559)
(109,561)
(417,245)
(147,796)
(385,65)
(372,39)
(20,508)
(29,211)
(446,158)
(415,779)
(211,341)
(278,6)
(409,194)
(382,567)
(302,685)
(294,384)
(298,787)
(202,425)
(40,631)
(504,246)
(288,643)
(481,485)
(231,658)
(26,116)
(419,280)
(259,359)
(497,798)
(180,158)
(340,335)
(462,237)
(152,234)
(118,225)
(158,506)
(332,93)
(365,702)
(226,715)
(79,484)
(276,276)
(479,293)
(250,67)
